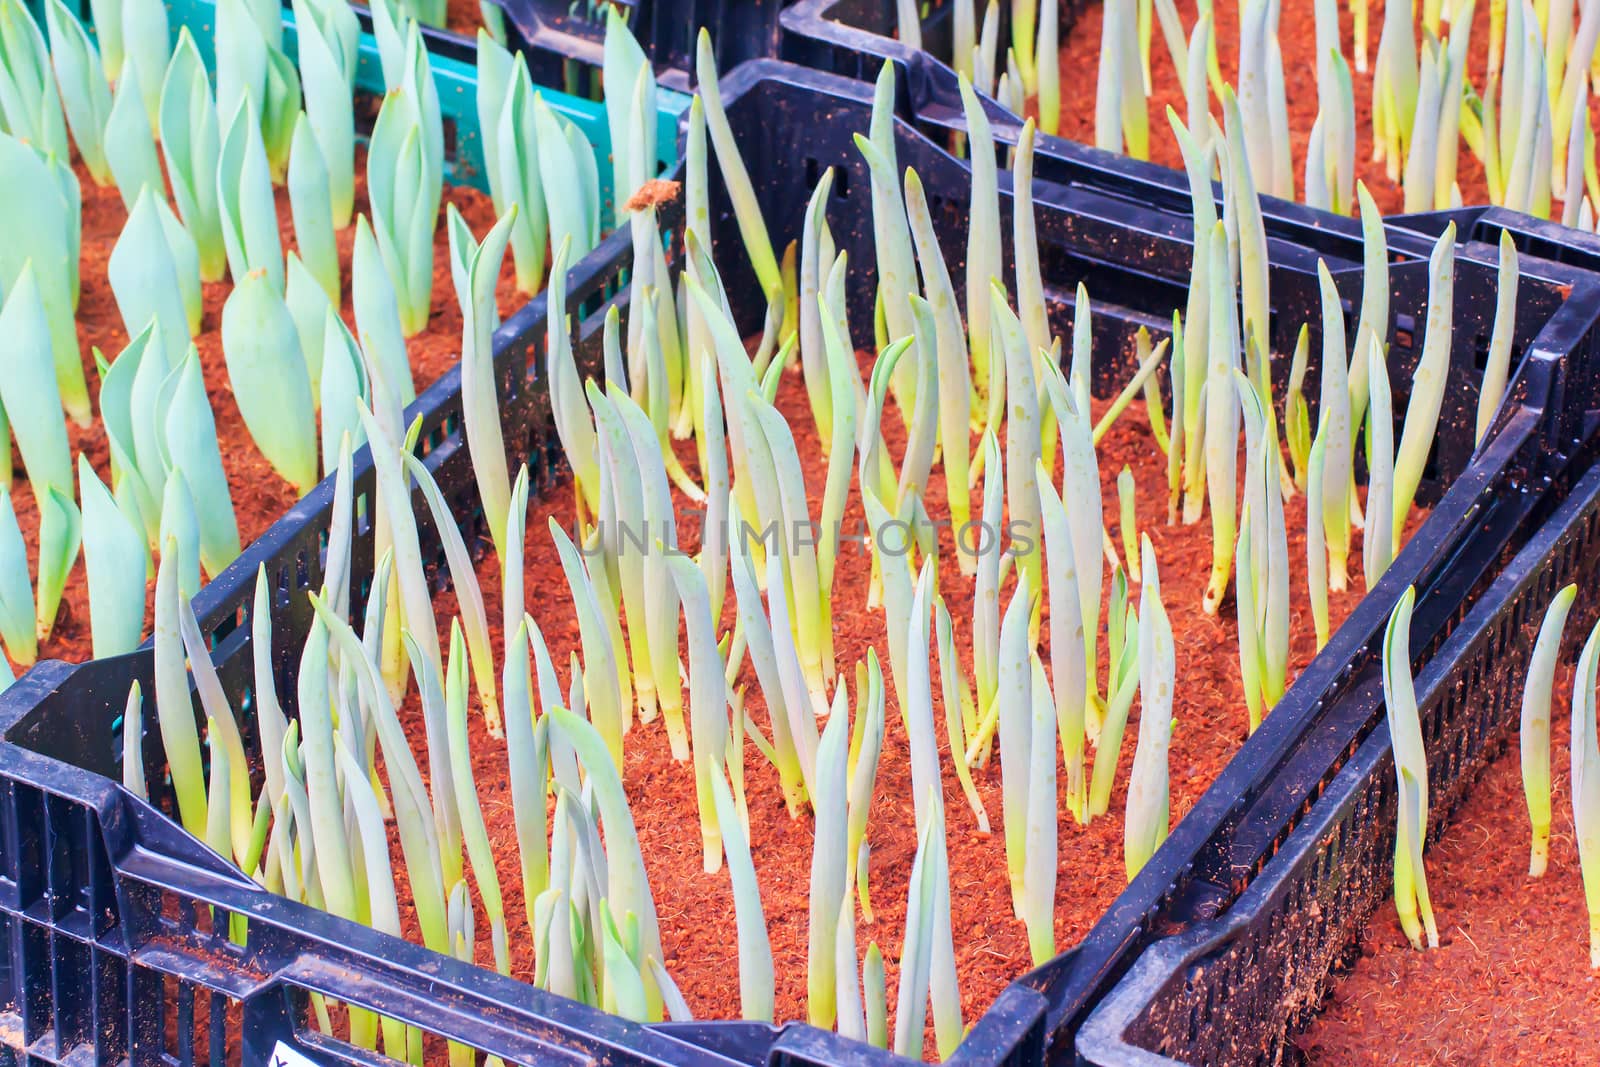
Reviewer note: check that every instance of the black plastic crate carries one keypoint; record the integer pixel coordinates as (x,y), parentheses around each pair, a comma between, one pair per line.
(575,29)
(855,38)
(112,942)
(1235,988)
(1548,240)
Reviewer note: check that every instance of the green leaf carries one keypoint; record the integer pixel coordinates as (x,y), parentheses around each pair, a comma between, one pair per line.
(60,534)
(218,801)
(280,111)
(144,278)
(28,98)
(180,524)
(404,176)
(983,256)
(1221,419)
(146,45)
(190,142)
(28,389)
(625,871)
(16,589)
(1505,323)
(494,74)
(116,559)
(313,211)
(40,227)
(1334,421)
(624,63)
(133,735)
(469,597)
(708,694)
(309,307)
(473,831)
(1378,552)
(1039,868)
(587,170)
(327,64)
(1428,382)
(605,701)
(518,177)
(186,262)
(1296,414)
(343,389)
(1080,484)
(1068,662)
(752,227)
(106,16)
(117,382)
(378,314)
(758,633)
(756,979)
(130,144)
(1535,725)
(624,986)
(327,816)
(244,191)
(382,904)
(1148,804)
(1022,432)
(574,426)
(241,54)
(527,754)
(269,380)
(872,983)
(234,779)
(570,193)
(394,498)
(269,713)
(1374,319)
(479,393)
(830,864)
(85,94)
(1013,699)
(916,954)
(1411,770)
(190,447)
(389,25)
(954,376)
(1586,788)
(153,386)
(1316,550)
(174,709)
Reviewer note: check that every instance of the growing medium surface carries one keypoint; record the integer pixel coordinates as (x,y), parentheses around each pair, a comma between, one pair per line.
(260,495)
(1510,981)
(697,909)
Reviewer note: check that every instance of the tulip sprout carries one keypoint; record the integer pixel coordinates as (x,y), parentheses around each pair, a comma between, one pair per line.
(1149,796)
(1535,729)
(1411,778)
(1586,789)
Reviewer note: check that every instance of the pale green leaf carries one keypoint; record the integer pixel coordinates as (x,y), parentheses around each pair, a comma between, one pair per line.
(85,93)
(116,558)
(192,146)
(269,379)
(312,210)
(244,191)
(190,446)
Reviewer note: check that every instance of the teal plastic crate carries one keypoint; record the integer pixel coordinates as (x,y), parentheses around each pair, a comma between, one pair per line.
(457,85)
